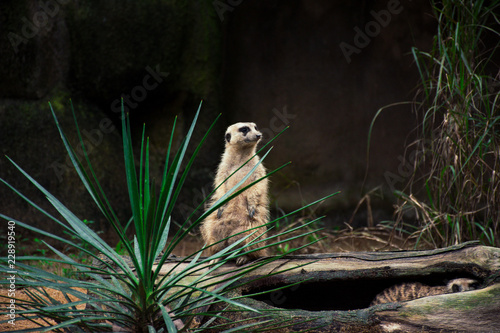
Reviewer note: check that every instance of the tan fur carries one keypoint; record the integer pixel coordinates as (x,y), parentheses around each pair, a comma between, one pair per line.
(409,291)
(248,210)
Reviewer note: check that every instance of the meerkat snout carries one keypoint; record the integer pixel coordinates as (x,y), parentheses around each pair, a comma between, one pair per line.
(462,284)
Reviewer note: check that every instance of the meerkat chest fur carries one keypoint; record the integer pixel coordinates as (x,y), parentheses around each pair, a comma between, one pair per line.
(236,162)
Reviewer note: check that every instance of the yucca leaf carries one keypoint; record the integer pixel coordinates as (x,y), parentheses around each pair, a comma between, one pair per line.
(172,194)
(130,172)
(118,294)
(139,258)
(191,160)
(163,242)
(102,203)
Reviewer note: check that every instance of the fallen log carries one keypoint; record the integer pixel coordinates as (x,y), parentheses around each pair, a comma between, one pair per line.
(333,292)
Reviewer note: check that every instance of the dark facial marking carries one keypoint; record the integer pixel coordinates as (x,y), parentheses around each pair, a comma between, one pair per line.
(228,137)
(244,130)
(455,288)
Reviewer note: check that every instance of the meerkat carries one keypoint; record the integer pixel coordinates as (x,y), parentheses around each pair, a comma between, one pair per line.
(249,209)
(410,291)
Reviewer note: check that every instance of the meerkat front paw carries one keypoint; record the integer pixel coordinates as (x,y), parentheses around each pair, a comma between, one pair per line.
(219,212)
(213,262)
(242,260)
(251,211)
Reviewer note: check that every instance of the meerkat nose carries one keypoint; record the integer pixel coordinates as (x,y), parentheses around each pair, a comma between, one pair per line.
(258,136)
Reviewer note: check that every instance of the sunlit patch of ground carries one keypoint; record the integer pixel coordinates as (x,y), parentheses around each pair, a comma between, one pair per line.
(19,322)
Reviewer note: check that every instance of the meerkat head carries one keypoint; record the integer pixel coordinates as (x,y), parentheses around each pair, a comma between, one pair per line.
(243,134)
(462,284)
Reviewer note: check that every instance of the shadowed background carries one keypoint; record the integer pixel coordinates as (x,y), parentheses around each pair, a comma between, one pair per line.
(277,63)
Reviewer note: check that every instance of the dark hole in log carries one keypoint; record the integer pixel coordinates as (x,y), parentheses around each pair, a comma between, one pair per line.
(338,294)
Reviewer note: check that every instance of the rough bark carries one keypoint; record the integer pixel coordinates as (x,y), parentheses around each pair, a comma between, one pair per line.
(332,292)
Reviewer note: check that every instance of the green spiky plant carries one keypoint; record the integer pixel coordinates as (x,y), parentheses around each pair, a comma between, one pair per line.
(457,154)
(130,293)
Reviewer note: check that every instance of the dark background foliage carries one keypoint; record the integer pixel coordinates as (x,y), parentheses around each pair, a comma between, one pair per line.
(277,63)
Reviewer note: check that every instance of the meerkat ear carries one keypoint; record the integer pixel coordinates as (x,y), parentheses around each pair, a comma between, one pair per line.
(228,137)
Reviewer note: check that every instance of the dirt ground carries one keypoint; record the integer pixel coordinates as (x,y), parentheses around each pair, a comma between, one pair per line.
(19,323)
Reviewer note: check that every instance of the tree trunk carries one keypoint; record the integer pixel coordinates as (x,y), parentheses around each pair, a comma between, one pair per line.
(333,292)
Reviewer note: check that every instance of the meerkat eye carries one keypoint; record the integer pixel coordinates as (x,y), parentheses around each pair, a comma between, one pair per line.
(244,130)
(455,288)
(256,128)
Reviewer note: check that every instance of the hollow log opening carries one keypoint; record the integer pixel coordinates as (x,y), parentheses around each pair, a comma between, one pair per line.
(319,294)
(332,292)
